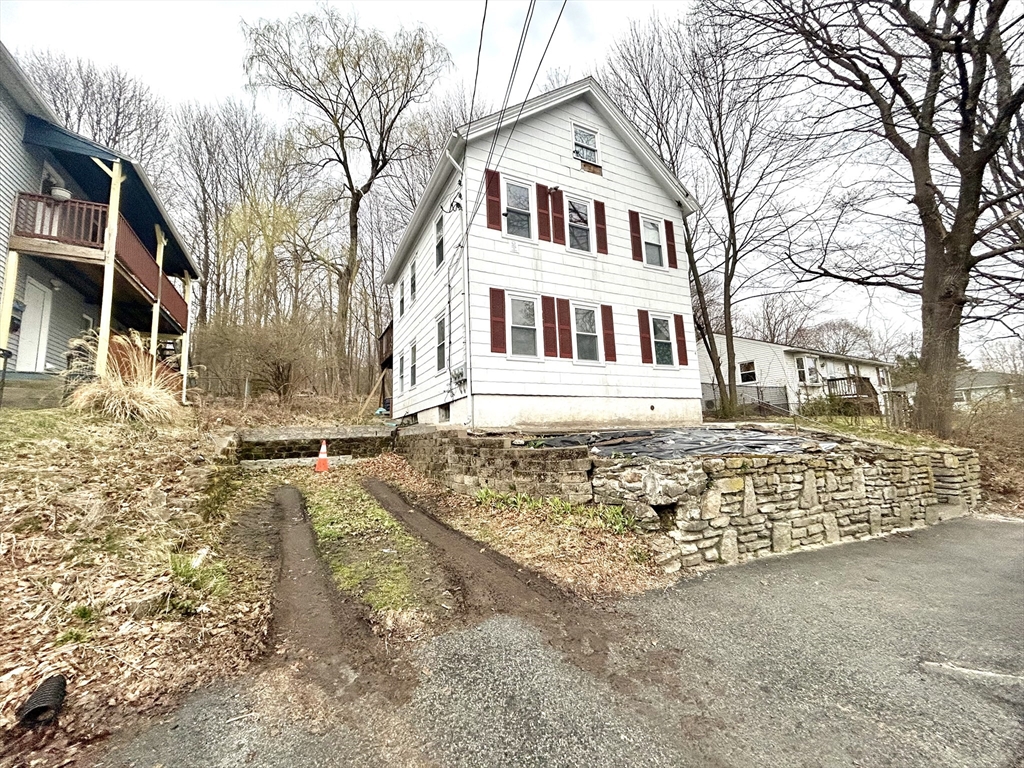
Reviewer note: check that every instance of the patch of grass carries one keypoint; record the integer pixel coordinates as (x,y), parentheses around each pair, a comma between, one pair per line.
(367,550)
(85,613)
(72,635)
(208,578)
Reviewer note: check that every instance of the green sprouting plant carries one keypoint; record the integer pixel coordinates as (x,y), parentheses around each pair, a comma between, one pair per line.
(485,497)
(639,555)
(210,579)
(85,613)
(536,444)
(72,635)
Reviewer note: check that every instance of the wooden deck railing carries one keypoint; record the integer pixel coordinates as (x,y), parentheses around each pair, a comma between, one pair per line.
(173,302)
(852,386)
(75,222)
(84,223)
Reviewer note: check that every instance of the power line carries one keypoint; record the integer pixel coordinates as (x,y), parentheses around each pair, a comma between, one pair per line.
(476,74)
(479,200)
(504,104)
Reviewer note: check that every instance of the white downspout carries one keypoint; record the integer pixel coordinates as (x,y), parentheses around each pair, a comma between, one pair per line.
(465,291)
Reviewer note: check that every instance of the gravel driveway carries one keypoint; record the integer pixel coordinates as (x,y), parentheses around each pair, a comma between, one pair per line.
(903,651)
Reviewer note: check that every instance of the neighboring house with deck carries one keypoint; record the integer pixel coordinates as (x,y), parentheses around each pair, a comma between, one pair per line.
(974,388)
(85,243)
(779,378)
(538,283)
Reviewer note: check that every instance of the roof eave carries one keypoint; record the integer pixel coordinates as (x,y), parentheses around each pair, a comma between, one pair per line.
(427,202)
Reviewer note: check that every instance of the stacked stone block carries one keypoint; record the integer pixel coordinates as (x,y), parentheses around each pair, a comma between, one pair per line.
(304,442)
(729,509)
(466,464)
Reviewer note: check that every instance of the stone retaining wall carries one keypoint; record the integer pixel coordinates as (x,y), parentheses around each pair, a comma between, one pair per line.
(728,509)
(466,464)
(303,442)
(706,509)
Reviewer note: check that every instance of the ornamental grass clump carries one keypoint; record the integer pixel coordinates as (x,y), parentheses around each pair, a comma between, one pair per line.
(131,390)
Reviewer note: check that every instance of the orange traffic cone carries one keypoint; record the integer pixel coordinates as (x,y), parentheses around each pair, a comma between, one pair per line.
(321,461)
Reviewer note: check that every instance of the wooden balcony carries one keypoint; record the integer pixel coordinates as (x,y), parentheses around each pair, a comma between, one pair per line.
(857,389)
(75,230)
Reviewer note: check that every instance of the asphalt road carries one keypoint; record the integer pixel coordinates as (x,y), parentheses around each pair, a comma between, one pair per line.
(902,651)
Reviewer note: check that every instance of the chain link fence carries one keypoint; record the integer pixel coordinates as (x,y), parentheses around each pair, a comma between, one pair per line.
(753,400)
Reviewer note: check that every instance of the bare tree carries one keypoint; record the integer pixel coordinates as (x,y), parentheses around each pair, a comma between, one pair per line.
(935,91)
(709,106)
(108,106)
(781,318)
(355,88)
(839,336)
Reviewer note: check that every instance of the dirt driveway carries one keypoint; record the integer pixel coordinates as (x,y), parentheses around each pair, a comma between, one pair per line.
(904,651)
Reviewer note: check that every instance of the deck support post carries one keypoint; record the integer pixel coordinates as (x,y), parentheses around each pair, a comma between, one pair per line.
(154,328)
(109,260)
(185,339)
(7,298)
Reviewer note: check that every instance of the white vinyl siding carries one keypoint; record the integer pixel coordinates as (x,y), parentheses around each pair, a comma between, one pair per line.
(537,154)
(439,295)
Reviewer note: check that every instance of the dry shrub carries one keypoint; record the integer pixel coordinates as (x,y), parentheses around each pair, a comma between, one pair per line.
(130,391)
(995,429)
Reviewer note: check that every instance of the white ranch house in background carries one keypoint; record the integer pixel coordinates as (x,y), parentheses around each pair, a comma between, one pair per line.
(566,305)
(784,377)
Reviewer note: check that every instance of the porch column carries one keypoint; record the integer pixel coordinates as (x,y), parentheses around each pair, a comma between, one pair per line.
(109,257)
(7,298)
(185,339)
(154,329)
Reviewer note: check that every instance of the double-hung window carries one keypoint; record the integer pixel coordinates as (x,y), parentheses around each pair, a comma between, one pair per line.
(801,371)
(586,334)
(579,224)
(439,241)
(412,281)
(661,335)
(517,210)
(412,366)
(652,243)
(584,144)
(401,374)
(748,374)
(401,298)
(523,314)
(441,344)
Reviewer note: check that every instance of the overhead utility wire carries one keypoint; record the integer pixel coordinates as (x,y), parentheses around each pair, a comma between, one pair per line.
(540,63)
(504,104)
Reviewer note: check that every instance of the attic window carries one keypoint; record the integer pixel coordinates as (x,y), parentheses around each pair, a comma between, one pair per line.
(585,144)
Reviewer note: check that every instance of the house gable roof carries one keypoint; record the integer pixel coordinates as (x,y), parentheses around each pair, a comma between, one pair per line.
(808,351)
(587,88)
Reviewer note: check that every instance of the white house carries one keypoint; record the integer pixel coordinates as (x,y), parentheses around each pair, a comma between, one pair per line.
(538,284)
(782,377)
(85,243)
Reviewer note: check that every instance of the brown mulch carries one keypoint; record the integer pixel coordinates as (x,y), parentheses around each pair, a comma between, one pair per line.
(578,555)
(116,573)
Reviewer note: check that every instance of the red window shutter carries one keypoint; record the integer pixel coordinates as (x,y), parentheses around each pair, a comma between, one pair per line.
(646,353)
(557,218)
(497,320)
(608,327)
(547,314)
(564,329)
(600,227)
(543,213)
(670,240)
(680,339)
(493,180)
(634,237)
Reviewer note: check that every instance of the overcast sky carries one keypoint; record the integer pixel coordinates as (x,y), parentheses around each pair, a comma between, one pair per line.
(188,50)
